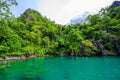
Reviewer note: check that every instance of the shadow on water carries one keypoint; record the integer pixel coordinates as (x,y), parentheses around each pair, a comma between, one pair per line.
(66,75)
(30,78)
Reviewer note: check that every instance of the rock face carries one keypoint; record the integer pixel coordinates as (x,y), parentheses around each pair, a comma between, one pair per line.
(117,47)
(106,29)
(101,48)
(115,4)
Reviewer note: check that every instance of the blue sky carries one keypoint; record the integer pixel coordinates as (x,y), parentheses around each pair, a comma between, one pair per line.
(61,11)
(25,4)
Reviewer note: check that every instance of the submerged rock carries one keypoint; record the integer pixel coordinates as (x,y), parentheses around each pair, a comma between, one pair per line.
(30,78)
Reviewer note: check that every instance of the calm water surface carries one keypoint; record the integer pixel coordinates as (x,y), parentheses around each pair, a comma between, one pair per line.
(62,68)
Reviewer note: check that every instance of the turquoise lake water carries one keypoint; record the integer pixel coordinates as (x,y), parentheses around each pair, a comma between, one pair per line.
(62,68)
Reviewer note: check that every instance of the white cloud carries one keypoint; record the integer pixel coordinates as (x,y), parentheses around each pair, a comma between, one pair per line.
(61,11)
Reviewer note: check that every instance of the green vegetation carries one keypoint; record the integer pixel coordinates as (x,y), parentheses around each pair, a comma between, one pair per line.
(34,34)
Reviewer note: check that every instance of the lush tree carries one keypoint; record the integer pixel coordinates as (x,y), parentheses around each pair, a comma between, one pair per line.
(5,7)
(34,34)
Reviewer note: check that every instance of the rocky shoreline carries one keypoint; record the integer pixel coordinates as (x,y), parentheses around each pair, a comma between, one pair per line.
(14,58)
(9,58)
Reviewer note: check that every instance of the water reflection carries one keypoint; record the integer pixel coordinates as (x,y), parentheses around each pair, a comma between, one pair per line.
(29,69)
